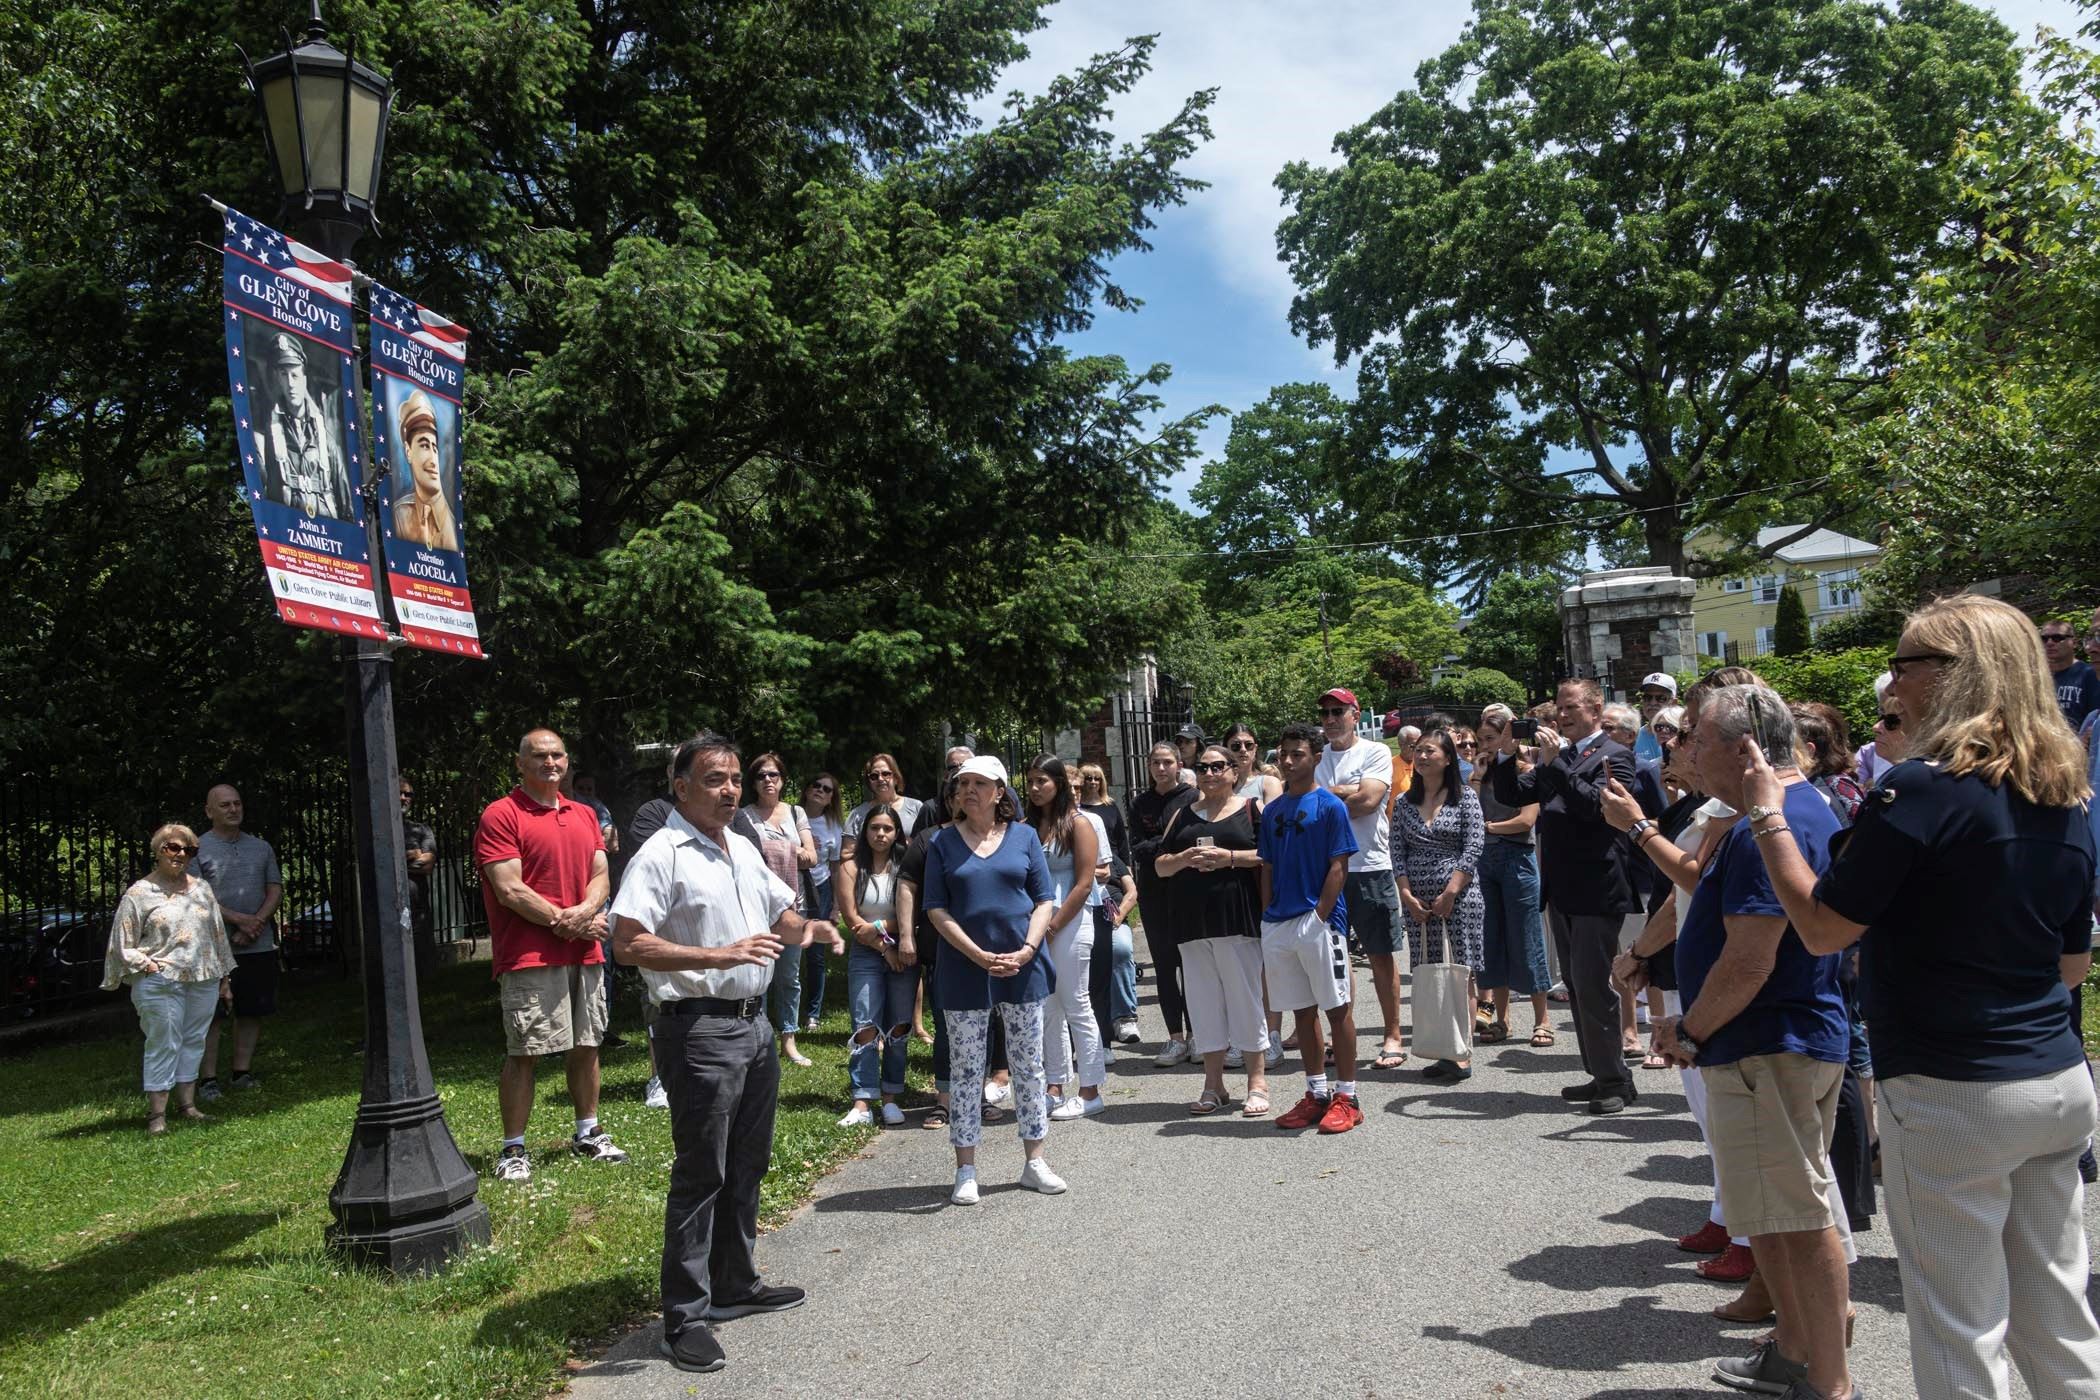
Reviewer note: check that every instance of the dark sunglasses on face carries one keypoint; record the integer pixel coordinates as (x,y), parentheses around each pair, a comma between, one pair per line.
(178,848)
(1467,744)
(766,777)
(1897,663)
(2048,637)
(1665,731)
(878,777)
(1212,767)
(1332,711)
(1890,721)
(1243,745)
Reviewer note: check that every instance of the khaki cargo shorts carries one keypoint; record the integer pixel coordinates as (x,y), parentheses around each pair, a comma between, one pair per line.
(1769,1118)
(549,1010)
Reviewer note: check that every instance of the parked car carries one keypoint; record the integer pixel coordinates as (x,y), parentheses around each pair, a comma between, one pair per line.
(50,959)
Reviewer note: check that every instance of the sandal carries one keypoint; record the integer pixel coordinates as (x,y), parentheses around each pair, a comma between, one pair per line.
(1390,1059)
(936,1117)
(1542,1035)
(156,1124)
(195,1114)
(1655,1062)
(1209,1101)
(1256,1106)
(1493,1033)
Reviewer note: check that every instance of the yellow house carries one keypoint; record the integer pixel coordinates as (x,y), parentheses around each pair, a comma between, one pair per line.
(1733,617)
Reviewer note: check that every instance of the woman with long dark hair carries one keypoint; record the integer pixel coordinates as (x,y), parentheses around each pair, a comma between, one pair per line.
(1072,844)
(1249,782)
(1149,811)
(821,814)
(1513,949)
(882,969)
(1438,834)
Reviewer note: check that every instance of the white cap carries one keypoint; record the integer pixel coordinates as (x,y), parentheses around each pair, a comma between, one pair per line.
(984,766)
(1661,680)
(1882,683)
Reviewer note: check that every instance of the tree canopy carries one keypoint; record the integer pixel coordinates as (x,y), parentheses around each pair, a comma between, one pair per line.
(1608,256)
(771,424)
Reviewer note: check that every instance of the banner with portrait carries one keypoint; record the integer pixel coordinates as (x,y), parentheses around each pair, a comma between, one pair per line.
(289,359)
(419,365)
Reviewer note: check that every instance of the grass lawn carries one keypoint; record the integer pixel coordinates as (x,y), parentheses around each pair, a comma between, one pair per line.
(193,1265)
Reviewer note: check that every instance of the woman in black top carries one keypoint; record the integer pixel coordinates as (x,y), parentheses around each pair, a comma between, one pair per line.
(1208,853)
(1970,875)
(1149,812)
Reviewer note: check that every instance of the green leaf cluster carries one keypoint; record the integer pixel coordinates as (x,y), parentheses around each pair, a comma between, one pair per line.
(1479,686)
(1844,680)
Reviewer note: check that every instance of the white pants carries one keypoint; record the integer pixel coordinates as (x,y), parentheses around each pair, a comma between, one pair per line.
(1989,1218)
(1695,1099)
(1222,979)
(1070,1009)
(174,1015)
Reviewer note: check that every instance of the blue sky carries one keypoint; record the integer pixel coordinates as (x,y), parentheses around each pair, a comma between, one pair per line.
(1290,77)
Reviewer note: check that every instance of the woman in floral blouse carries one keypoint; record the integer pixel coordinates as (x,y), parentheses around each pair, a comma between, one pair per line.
(168,944)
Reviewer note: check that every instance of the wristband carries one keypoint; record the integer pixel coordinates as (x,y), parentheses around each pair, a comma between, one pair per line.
(1772,830)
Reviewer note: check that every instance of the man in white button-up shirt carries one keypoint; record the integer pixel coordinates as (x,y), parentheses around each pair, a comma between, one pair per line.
(704,919)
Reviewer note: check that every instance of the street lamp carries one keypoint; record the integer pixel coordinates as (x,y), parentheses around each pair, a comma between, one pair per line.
(405,1199)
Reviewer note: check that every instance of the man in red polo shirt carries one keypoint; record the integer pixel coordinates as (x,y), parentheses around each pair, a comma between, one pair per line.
(544,882)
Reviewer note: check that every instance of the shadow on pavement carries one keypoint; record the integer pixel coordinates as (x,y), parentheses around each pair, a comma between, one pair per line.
(1674,1170)
(920,1199)
(1664,1216)
(1637,1125)
(1635,1331)
(1588,1268)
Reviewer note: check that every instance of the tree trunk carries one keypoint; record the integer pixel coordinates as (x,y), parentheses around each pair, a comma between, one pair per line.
(1662,525)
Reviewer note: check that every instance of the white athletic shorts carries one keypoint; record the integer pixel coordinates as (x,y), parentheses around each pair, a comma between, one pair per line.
(1307,963)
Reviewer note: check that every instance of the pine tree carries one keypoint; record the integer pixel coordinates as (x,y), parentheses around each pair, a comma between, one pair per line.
(1790,635)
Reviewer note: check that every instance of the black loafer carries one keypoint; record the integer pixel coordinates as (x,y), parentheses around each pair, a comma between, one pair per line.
(1582,1093)
(695,1349)
(765,1300)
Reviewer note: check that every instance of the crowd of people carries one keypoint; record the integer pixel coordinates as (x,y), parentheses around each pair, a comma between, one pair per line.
(1862,964)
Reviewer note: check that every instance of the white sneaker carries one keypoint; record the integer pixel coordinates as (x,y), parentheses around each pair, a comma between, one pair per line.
(1176,1053)
(513,1165)
(892,1116)
(654,1096)
(1065,1110)
(1037,1176)
(1235,1060)
(965,1192)
(857,1117)
(814,1022)
(1273,1056)
(997,1094)
(1094,1107)
(1127,1033)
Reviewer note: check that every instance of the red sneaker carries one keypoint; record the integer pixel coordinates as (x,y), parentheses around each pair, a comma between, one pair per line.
(1707,1239)
(1342,1114)
(1307,1113)
(1734,1266)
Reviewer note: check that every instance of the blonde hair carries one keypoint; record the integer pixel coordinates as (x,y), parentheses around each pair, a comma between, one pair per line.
(1992,710)
(1092,770)
(164,831)
(1498,714)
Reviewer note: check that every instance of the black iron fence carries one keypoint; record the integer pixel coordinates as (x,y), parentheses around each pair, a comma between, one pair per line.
(67,857)
(1142,727)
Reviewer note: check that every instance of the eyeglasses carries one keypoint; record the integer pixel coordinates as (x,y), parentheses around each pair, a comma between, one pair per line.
(177,848)
(407,793)
(1890,721)
(1467,744)
(1243,746)
(766,777)
(820,787)
(1897,663)
(1212,767)
(1665,731)
(2049,637)
(1331,711)
(878,777)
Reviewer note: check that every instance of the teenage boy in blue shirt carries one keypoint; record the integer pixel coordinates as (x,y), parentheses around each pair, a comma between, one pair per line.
(1305,844)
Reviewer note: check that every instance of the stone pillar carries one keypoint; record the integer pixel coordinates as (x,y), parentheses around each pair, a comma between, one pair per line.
(1621,624)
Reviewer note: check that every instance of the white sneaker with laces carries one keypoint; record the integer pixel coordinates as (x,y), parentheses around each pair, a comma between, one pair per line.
(1127,1033)
(513,1165)
(1065,1110)
(1273,1056)
(1176,1053)
(997,1094)
(1037,1176)
(1093,1107)
(965,1192)
(598,1146)
(1235,1060)
(654,1095)
(857,1116)
(892,1116)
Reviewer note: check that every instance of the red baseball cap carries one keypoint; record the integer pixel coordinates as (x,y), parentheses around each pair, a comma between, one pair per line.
(1347,697)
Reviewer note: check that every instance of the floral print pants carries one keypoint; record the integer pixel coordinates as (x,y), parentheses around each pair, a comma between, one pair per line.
(969,1033)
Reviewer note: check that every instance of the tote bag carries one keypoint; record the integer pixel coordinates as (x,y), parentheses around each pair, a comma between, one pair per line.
(1443,1005)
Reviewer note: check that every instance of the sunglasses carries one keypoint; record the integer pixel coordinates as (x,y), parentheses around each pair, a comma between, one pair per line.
(820,787)
(766,777)
(1466,744)
(1243,746)
(878,777)
(1897,663)
(1890,721)
(2050,637)
(1665,731)
(178,848)
(1212,767)
(1331,711)
(407,793)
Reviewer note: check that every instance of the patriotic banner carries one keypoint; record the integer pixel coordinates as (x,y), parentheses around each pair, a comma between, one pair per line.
(419,365)
(289,353)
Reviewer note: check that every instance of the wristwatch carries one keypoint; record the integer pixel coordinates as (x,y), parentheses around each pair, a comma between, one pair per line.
(1639,829)
(1684,1038)
(1758,814)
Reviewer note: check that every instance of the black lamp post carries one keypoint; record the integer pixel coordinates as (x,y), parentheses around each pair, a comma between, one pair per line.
(405,1198)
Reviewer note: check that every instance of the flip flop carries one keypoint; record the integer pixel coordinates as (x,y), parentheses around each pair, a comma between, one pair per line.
(1208,1103)
(1390,1059)
(936,1117)
(1655,1062)
(1256,1106)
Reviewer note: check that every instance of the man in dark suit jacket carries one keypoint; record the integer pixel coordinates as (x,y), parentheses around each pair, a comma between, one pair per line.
(1586,869)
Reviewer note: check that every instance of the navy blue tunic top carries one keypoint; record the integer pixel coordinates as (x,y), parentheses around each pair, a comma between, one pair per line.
(992,897)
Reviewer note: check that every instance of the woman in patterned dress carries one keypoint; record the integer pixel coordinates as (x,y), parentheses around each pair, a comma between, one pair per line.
(1437,838)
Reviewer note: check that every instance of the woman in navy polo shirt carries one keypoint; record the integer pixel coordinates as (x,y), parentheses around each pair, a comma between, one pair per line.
(1970,873)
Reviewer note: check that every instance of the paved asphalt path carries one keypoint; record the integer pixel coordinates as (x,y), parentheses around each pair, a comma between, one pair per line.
(1482,1240)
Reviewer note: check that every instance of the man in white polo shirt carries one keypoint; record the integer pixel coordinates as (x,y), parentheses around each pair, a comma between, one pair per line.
(702,916)
(1360,772)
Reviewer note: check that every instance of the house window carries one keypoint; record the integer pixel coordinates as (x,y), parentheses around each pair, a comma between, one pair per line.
(1841,590)
(1713,643)
(1734,585)
(1764,640)
(1768,587)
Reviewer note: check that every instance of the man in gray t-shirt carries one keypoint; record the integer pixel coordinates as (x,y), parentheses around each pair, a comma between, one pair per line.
(245,880)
